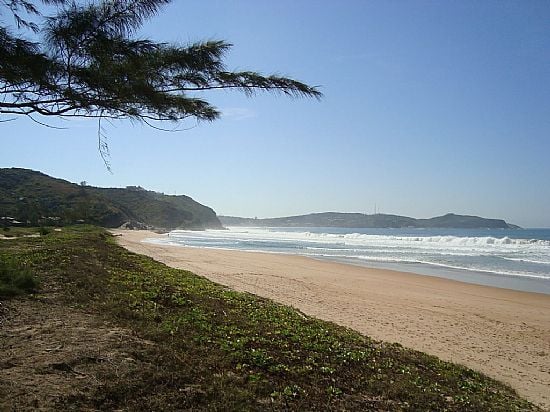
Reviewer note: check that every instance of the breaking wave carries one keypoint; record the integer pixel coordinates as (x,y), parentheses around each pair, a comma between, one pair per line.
(507,253)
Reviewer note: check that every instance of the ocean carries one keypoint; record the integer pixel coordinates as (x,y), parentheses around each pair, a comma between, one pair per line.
(509,258)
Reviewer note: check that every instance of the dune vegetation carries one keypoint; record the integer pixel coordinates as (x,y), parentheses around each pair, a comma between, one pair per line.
(193,344)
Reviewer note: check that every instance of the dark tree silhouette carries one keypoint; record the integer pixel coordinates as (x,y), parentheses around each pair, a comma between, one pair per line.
(88,62)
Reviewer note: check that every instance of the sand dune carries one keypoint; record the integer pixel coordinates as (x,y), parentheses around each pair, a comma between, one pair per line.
(502,333)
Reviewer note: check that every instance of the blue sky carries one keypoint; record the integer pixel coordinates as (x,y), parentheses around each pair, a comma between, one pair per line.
(430,107)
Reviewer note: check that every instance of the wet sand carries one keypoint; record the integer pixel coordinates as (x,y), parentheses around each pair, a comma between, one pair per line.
(500,332)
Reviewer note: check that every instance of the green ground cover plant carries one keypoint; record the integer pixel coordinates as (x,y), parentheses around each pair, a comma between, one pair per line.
(217,349)
(15,278)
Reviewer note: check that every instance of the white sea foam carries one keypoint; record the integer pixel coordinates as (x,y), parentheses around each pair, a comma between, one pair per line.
(525,260)
(254,233)
(494,254)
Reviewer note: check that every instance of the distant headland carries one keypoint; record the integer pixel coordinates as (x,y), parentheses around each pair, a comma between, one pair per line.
(379,220)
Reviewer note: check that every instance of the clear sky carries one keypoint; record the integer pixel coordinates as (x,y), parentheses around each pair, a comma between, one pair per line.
(430,107)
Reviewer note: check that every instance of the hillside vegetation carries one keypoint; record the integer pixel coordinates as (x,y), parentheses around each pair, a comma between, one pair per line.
(379,220)
(35,198)
(149,337)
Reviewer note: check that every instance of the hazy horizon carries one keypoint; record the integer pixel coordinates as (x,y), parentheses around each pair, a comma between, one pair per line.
(429,108)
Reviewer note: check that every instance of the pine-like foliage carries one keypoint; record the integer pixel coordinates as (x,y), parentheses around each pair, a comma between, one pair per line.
(89,63)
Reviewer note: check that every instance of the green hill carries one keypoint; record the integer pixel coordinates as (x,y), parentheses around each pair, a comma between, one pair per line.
(358,220)
(32,197)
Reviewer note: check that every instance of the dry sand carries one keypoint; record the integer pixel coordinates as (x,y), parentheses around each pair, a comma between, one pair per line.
(502,333)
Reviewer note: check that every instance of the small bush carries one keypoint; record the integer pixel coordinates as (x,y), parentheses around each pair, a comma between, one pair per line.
(44,230)
(15,279)
(25,282)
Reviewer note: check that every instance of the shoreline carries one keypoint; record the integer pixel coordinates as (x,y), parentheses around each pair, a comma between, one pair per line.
(473,277)
(471,256)
(501,332)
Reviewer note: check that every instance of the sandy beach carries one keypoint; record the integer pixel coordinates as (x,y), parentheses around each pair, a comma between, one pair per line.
(502,333)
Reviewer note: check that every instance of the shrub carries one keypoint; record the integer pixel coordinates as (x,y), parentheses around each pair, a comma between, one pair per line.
(15,279)
(44,230)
